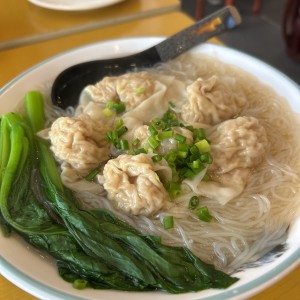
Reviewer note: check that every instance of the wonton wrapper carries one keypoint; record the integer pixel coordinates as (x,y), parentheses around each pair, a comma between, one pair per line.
(80,142)
(130,180)
(213,100)
(238,145)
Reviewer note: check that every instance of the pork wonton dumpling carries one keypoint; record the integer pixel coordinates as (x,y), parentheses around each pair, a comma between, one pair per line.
(80,142)
(134,88)
(238,143)
(131,88)
(104,90)
(237,146)
(130,180)
(213,100)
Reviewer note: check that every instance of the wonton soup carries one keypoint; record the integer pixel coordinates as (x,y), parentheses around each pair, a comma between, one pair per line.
(250,188)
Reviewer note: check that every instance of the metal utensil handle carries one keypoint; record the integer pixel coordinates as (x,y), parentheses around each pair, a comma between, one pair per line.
(216,23)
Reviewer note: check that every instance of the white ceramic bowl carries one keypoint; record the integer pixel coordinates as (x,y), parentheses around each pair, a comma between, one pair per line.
(38,276)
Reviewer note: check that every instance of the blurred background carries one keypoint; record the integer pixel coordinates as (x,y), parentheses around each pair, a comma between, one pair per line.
(261,33)
(28,30)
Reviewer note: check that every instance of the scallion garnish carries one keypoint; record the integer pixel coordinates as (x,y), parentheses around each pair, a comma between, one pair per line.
(189,174)
(122,130)
(124,145)
(92,174)
(153,143)
(171,104)
(199,134)
(156,158)
(152,130)
(206,158)
(180,138)
(203,145)
(182,154)
(118,107)
(119,123)
(140,90)
(203,214)
(183,147)
(107,112)
(194,150)
(194,202)
(112,136)
(168,222)
(140,150)
(174,189)
(165,135)
(136,142)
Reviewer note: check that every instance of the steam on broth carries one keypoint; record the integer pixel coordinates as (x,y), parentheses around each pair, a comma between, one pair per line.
(253,191)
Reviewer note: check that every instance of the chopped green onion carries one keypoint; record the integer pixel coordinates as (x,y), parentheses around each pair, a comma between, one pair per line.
(188,174)
(124,145)
(174,189)
(194,202)
(152,130)
(119,123)
(203,146)
(199,134)
(182,154)
(139,151)
(165,135)
(190,128)
(171,104)
(168,222)
(203,214)
(140,90)
(112,136)
(122,130)
(92,174)
(118,107)
(196,164)
(206,158)
(153,143)
(136,142)
(170,157)
(198,170)
(194,150)
(156,158)
(183,147)
(156,123)
(80,284)
(107,112)
(131,152)
(180,138)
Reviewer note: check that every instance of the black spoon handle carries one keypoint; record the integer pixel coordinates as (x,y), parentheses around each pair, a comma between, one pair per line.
(214,24)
